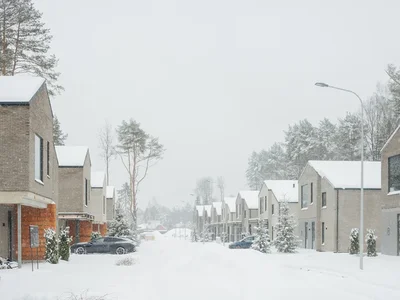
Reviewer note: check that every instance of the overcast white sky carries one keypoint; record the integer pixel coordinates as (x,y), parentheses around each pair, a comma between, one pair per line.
(213,79)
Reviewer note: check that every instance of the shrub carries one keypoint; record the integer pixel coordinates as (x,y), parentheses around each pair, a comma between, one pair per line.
(354,241)
(126,261)
(370,239)
(52,252)
(64,246)
(95,235)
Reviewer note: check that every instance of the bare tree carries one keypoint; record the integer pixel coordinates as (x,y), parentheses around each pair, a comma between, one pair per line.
(138,151)
(205,189)
(106,145)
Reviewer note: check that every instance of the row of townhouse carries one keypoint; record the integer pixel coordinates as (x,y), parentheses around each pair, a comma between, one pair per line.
(40,183)
(325,201)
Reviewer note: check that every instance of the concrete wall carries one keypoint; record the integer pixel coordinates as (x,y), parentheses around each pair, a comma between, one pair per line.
(97,199)
(327,216)
(263,209)
(71,190)
(110,214)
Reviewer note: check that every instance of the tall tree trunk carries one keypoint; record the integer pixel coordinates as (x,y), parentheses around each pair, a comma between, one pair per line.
(16,50)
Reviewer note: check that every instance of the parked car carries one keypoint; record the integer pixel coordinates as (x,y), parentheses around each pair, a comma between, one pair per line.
(113,245)
(136,242)
(243,243)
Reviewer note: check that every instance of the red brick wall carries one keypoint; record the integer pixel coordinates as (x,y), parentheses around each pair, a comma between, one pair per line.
(96,227)
(103,229)
(85,230)
(44,218)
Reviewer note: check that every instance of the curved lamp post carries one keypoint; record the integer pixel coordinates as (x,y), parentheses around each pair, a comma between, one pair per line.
(361,234)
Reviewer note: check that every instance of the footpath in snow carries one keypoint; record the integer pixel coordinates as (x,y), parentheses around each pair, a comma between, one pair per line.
(176,269)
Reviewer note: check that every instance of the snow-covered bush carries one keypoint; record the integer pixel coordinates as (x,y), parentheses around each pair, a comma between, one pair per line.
(119,227)
(370,239)
(194,236)
(244,235)
(206,234)
(64,245)
(354,241)
(262,241)
(286,241)
(126,261)
(95,235)
(52,254)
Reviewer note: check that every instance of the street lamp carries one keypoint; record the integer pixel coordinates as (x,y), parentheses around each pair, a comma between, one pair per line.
(361,235)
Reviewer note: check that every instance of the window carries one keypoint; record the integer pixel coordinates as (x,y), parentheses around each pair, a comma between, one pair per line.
(394,173)
(48,158)
(244,214)
(260,205)
(324,199)
(273,209)
(104,205)
(304,196)
(265,203)
(272,233)
(38,158)
(311,195)
(323,233)
(87,191)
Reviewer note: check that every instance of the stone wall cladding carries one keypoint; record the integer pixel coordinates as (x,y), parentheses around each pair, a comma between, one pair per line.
(85,230)
(71,190)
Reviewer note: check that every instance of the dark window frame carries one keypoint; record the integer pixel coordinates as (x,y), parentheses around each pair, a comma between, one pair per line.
(390,179)
(323,233)
(323,197)
(273,209)
(304,202)
(311,193)
(48,159)
(86,192)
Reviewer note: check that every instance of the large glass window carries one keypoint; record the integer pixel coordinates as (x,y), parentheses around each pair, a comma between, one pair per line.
(394,173)
(304,196)
(323,232)
(324,199)
(48,158)
(261,207)
(38,158)
(311,191)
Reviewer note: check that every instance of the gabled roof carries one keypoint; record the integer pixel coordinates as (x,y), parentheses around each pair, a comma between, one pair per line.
(110,192)
(390,138)
(347,174)
(97,179)
(71,156)
(251,198)
(200,209)
(284,190)
(218,207)
(231,202)
(19,89)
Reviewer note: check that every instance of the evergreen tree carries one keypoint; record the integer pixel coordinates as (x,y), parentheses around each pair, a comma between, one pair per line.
(52,251)
(348,137)
(25,43)
(370,239)
(354,241)
(64,245)
(286,241)
(58,136)
(394,88)
(327,145)
(119,227)
(262,240)
(95,235)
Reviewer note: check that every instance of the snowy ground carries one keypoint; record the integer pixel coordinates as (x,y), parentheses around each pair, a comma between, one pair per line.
(176,269)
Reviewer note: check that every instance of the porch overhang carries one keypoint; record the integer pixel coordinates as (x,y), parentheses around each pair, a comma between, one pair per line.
(25,198)
(75,216)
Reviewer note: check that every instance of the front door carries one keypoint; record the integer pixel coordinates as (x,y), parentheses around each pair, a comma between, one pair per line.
(313,235)
(305,234)
(4,233)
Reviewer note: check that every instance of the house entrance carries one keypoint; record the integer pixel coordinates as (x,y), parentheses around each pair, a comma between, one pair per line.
(313,235)
(5,232)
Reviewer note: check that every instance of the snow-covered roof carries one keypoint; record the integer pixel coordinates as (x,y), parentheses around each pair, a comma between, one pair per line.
(218,207)
(390,138)
(19,89)
(97,179)
(71,156)
(251,198)
(347,174)
(200,209)
(110,191)
(284,190)
(231,202)
(207,208)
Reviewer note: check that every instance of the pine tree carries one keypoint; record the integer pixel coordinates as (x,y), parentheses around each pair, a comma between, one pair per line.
(326,137)
(64,245)
(370,239)
(119,227)
(58,136)
(52,251)
(354,241)
(286,241)
(25,43)
(348,137)
(95,235)
(262,240)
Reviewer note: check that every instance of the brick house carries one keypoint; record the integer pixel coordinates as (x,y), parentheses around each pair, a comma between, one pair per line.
(28,165)
(110,203)
(246,212)
(390,195)
(272,194)
(329,203)
(97,205)
(75,191)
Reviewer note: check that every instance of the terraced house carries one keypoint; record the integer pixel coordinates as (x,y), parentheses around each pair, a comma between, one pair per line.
(390,217)
(110,203)
(246,211)
(97,205)
(329,203)
(28,165)
(75,191)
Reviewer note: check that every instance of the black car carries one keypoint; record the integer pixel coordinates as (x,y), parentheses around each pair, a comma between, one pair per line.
(113,245)
(243,243)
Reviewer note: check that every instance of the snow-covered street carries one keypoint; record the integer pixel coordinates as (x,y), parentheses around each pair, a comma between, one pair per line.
(176,269)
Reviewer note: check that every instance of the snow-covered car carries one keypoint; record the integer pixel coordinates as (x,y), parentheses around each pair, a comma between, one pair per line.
(243,243)
(113,245)
(136,242)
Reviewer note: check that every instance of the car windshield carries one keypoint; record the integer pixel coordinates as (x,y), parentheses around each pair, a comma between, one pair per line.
(199,149)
